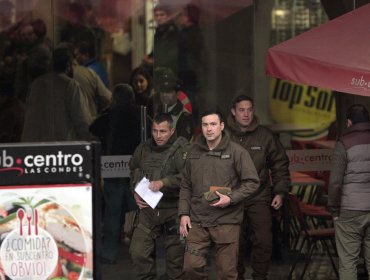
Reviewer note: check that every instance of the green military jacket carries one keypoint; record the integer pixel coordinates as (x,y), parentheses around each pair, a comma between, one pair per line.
(227,165)
(163,163)
(268,156)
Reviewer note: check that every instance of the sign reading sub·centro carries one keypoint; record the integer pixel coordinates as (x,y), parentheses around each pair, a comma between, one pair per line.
(58,162)
(309,160)
(115,166)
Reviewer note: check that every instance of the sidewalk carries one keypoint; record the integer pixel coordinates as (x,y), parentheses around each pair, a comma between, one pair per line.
(319,268)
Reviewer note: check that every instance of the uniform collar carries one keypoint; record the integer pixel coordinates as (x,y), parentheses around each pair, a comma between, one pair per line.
(156,148)
(175,110)
(202,143)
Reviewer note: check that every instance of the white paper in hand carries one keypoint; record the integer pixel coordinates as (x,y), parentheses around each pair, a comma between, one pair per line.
(150,197)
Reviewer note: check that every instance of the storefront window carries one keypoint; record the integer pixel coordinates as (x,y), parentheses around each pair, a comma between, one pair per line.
(207,50)
(290,18)
(207,46)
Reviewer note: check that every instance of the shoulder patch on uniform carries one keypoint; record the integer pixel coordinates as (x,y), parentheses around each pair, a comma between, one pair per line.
(226,156)
(256,148)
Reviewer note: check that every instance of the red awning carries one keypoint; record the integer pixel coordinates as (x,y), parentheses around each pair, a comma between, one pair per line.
(335,55)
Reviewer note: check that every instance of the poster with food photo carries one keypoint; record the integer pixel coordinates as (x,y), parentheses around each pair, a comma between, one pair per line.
(46,232)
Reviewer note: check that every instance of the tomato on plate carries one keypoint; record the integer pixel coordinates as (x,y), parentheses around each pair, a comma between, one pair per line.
(73,275)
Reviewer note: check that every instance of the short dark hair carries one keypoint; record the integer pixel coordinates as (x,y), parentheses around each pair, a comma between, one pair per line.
(240,98)
(193,13)
(124,94)
(357,113)
(62,59)
(212,111)
(86,48)
(39,27)
(163,117)
(162,7)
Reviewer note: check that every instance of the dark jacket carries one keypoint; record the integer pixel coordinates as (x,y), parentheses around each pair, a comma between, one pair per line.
(349,185)
(165,51)
(57,110)
(118,128)
(11,120)
(163,163)
(227,165)
(268,156)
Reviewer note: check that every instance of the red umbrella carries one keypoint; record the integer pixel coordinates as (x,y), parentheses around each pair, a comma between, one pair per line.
(335,55)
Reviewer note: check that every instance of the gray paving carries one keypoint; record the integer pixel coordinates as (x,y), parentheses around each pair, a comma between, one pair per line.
(319,268)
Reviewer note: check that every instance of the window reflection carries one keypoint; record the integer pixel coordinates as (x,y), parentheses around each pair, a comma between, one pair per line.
(208,45)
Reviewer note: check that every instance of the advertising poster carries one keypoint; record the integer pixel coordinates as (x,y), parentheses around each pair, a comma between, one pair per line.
(302,105)
(46,232)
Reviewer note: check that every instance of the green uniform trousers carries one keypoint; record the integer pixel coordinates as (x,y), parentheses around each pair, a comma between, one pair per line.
(153,223)
(198,242)
(257,224)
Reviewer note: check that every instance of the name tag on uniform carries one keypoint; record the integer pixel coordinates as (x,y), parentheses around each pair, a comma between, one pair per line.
(214,154)
(256,148)
(225,156)
(194,156)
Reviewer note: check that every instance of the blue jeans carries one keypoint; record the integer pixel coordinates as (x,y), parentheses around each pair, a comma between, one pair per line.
(118,200)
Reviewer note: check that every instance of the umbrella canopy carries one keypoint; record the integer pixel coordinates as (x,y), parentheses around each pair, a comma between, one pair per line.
(335,55)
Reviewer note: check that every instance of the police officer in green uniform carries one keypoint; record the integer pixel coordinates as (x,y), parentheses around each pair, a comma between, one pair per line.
(272,165)
(215,165)
(165,84)
(160,159)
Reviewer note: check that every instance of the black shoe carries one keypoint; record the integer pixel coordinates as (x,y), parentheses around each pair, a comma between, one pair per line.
(108,261)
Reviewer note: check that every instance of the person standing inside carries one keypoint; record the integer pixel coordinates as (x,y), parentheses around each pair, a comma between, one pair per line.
(161,160)
(166,86)
(116,141)
(141,81)
(56,108)
(218,176)
(191,52)
(85,54)
(11,114)
(165,51)
(349,192)
(271,161)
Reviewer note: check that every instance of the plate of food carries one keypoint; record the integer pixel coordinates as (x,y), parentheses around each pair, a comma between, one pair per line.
(41,239)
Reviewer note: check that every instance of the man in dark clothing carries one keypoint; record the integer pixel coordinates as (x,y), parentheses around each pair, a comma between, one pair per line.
(165,52)
(270,159)
(160,159)
(11,114)
(349,192)
(191,47)
(117,140)
(85,55)
(56,108)
(218,175)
